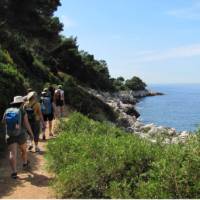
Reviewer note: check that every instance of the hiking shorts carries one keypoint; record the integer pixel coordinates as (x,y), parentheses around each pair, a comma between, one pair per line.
(48,117)
(20,139)
(36,130)
(59,103)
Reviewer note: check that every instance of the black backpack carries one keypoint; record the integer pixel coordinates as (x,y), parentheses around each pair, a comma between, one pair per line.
(31,113)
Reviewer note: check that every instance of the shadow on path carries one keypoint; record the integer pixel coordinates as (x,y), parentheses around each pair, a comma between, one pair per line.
(31,184)
(35,175)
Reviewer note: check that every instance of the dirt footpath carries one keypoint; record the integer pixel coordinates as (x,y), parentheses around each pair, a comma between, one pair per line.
(32,184)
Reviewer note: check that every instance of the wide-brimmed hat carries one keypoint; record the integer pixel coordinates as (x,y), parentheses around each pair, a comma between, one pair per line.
(30,95)
(17,99)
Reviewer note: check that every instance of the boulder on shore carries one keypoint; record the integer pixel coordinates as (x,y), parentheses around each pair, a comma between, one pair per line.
(123,103)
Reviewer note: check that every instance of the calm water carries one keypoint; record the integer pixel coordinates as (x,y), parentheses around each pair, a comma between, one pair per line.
(179,108)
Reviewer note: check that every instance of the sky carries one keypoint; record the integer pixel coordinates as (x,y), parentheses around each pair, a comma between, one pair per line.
(157,40)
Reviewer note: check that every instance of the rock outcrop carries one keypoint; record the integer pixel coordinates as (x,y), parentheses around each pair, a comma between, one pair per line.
(123,103)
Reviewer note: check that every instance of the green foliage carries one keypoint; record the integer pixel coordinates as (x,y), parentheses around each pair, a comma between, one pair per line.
(119,83)
(31,46)
(33,54)
(135,84)
(82,65)
(12,83)
(97,160)
(33,18)
(96,73)
(175,174)
(5,57)
(86,103)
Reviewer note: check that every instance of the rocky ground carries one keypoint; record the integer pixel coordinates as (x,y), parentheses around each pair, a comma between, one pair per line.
(124,102)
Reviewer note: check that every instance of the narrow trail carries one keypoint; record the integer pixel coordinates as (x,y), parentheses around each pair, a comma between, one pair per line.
(32,184)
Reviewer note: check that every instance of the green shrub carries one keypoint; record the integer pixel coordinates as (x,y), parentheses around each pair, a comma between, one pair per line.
(135,83)
(175,174)
(86,103)
(91,159)
(5,57)
(12,83)
(97,160)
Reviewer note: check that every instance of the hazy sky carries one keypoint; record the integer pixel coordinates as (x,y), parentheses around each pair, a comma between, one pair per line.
(158,40)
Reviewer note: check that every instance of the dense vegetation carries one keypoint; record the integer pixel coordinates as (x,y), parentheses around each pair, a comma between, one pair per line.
(135,83)
(97,160)
(30,60)
(90,159)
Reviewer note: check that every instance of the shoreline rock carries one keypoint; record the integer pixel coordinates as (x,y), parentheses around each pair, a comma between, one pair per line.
(123,102)
(151,94)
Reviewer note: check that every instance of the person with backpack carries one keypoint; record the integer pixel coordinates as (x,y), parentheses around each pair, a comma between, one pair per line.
(51,90)
(59,99)
(35,117)
(47,111)
(16,121)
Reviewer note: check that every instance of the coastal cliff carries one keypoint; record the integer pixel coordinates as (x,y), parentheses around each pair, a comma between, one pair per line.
(123,103)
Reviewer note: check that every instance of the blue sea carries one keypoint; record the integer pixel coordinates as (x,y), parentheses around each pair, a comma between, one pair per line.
(178,108)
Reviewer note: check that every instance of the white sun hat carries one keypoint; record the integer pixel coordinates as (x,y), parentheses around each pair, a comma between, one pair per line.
(30,95)
(17,99)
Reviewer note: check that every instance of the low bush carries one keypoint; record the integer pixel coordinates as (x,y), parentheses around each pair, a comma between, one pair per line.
(86,103)
(97,160)
(11,83)
(175,174)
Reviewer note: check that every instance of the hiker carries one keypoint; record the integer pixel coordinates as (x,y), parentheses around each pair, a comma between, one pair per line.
(47,91)
(35,117)
(47,111)
(51,90)
(16,120)
(59,99)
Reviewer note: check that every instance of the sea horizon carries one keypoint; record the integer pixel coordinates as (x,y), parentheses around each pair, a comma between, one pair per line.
(178,108)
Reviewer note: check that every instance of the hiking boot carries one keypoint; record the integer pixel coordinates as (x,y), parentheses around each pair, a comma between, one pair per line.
(14,175)
(26,166)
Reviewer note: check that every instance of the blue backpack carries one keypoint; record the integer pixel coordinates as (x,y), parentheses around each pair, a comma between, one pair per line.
(46,105)
(13,119)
